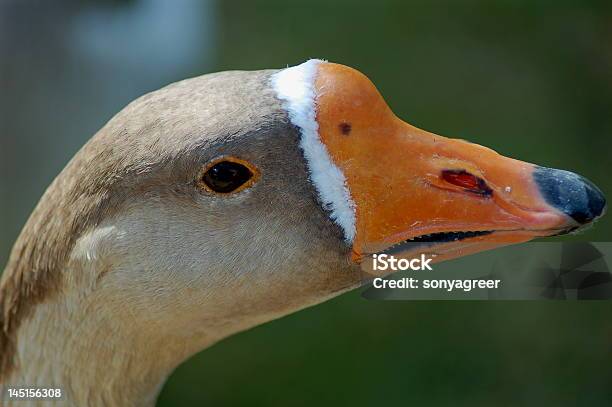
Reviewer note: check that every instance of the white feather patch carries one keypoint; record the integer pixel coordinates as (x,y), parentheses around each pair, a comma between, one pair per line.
(295,86)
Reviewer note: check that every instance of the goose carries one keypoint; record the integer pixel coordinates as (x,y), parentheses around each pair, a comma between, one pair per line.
(224,201)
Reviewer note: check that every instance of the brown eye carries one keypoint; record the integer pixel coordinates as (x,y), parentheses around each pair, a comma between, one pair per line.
(228,175)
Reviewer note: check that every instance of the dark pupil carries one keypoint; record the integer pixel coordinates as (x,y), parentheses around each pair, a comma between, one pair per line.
(226,176)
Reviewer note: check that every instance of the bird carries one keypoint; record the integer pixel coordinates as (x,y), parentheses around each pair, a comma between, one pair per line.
(227,200)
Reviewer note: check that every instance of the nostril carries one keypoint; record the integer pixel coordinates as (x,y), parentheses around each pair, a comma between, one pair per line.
(467,181)
(570,193)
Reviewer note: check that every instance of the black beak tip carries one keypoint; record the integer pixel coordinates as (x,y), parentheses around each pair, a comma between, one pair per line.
(571,193)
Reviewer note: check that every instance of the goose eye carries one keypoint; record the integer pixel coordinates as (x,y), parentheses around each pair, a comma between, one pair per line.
(228,175)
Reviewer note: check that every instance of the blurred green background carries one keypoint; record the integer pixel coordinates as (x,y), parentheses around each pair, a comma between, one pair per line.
(530,79)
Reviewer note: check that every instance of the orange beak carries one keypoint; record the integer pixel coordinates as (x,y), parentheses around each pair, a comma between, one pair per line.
(417,192)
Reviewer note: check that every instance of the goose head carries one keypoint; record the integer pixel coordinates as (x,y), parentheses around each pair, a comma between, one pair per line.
(224,201)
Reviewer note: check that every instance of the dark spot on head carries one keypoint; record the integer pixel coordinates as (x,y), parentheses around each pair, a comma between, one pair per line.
(345,128)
